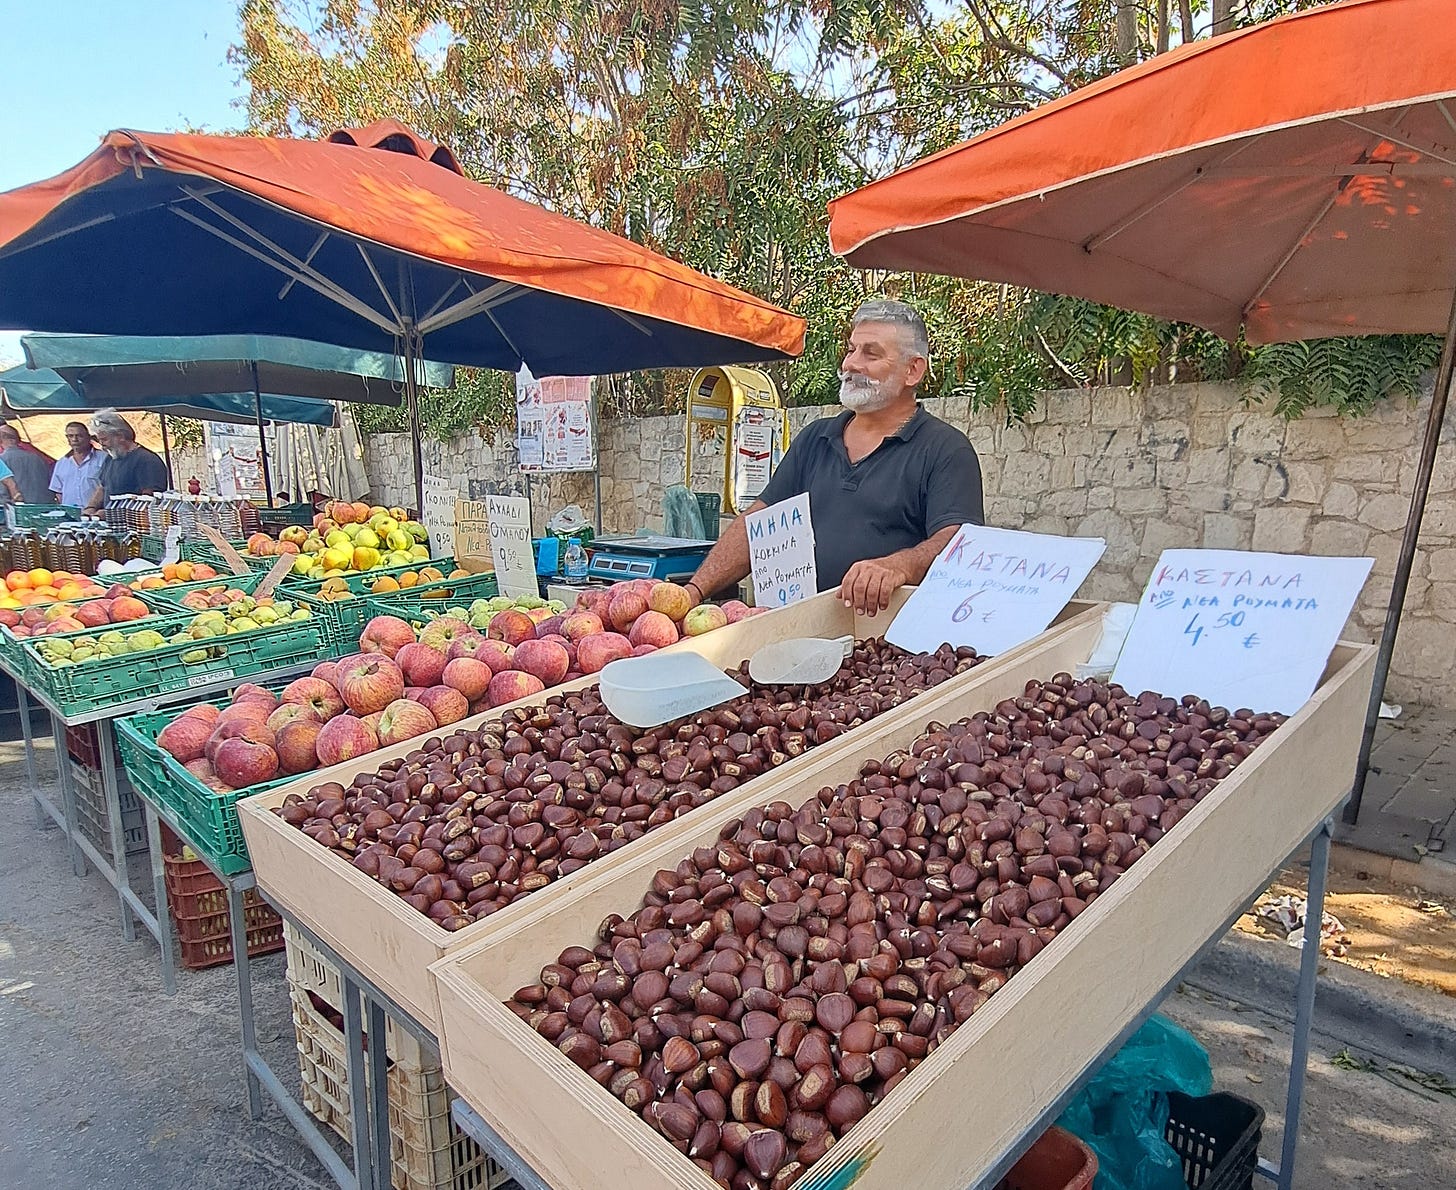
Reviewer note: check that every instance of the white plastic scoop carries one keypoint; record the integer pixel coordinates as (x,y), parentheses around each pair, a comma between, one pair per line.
(803,662)
(647,691)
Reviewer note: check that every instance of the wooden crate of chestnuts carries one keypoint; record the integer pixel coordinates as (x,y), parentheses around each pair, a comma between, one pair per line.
(887,966)
(366,907)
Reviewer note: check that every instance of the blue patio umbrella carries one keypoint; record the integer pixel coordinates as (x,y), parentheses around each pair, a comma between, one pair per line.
(224,377)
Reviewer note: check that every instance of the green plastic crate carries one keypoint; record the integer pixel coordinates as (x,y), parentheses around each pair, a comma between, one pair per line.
(168,600)
(43,516)
(420,609)
(210,818)
(96,684)
(153,547)
(348,616)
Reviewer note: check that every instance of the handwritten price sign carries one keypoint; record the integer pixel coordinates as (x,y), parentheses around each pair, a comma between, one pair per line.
(992,589)
(781,553)
(1239,629)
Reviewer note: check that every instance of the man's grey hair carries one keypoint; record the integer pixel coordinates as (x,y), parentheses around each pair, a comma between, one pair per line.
(897,314)
(108,421)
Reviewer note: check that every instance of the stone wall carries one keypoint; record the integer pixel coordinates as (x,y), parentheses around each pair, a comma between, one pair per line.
(1183,465)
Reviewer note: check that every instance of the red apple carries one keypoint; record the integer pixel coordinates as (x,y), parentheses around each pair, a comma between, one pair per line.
(403,720)
(94,614)
(539,615)
(480,706)
(343,738)
(185,738)
(386,634)
(579,625)
(369,683)
(297,746)
(543,659)
(325,670)
(496,654)
(653,628)
(128,608)
(241,729)
(624,609)
(250,710)
(445,703)
(241,763)
(318,694)
(735,610)
(512,686)
(444,631)
(672,601)
(421,663)
(593,653)
(550,626)
(371,721)
(469,645)
(469,676)
(291,712)
(511,626)
(643,650)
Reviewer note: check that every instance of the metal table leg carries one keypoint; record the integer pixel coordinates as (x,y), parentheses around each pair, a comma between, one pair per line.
(1309,960)
(68,794)
(242,970)
(104,745)
(42,819)
(379,1095)
(359,1099)
(159,891)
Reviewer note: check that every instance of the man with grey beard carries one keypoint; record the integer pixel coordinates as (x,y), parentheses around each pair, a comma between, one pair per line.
(888,483)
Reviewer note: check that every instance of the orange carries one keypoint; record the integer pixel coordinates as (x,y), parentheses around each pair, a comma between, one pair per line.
(17,580)
(47,589)
(71,591)
(169,570)
(40,577)
(186,572)
(63,576)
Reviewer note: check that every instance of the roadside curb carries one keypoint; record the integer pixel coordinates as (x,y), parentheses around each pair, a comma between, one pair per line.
(1436,877)
(1396,1020)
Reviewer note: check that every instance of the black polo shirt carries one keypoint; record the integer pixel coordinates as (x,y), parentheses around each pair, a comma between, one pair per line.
(920,479)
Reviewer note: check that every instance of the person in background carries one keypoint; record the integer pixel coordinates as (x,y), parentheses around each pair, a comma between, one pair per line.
(9,489)
(130,468)
(30,468)
(77,472)
(888,482)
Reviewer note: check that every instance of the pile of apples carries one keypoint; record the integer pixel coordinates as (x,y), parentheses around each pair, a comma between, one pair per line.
(347,539)
(173,574)
(227,611)
(114,606)
(651,614)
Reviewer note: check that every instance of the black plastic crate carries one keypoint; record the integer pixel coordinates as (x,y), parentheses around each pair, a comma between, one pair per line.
(1217,1137)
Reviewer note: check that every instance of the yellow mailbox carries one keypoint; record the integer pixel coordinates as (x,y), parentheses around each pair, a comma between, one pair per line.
(740,406)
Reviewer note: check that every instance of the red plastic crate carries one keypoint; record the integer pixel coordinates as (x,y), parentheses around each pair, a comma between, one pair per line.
(199,905)
(1058,1161)
(84,746)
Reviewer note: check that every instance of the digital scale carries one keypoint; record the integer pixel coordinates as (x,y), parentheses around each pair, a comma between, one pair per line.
(648,555)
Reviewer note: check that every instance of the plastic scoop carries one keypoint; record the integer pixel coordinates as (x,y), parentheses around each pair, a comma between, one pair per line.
(804,662)
(660,687)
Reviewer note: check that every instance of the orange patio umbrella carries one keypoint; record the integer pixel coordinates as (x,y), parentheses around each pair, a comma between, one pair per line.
(372,239)
(1296,179)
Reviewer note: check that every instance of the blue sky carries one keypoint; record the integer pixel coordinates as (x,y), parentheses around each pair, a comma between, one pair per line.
(70,70)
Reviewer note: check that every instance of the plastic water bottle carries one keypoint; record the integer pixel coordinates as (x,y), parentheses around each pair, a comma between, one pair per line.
(574,564)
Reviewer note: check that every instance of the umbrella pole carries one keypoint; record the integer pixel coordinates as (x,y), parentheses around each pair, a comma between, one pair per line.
(414,348)
(262,436)
(166,447)
(1435,417)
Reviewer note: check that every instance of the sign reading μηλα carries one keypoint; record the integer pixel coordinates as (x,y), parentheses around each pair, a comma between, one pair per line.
(781,552)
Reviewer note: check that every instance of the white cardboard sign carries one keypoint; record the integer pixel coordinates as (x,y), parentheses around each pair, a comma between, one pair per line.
(510,544)
(437,511)
(781,552)
(992,589)
(1239,629)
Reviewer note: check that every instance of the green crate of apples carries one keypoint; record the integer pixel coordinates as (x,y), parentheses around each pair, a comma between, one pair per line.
(88,670)
(419,610)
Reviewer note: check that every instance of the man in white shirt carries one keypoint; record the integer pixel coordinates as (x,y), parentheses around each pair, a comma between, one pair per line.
(77,473)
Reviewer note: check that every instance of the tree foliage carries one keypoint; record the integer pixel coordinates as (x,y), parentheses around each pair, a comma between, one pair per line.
(716,131)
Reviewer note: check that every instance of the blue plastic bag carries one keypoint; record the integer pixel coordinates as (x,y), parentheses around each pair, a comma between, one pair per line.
(1122,1113)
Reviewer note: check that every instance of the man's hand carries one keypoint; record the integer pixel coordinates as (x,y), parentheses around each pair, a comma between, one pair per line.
(868,585)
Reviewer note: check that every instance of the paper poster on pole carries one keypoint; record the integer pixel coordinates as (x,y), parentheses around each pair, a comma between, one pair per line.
(993,589)
(510,544)
(1239,629)
(756,430)
(781,553)
(237,463)
(437,512)
(554,423)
